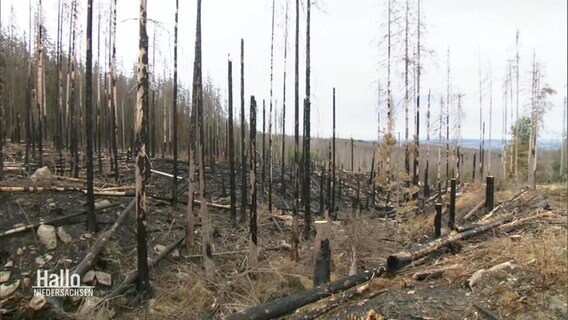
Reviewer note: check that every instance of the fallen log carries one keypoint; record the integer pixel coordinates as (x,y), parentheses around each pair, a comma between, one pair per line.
(474,210)
(39,189)
(166,174)
(98,206)
(285,305)
(129,280)
(401,259)
(502,205)
(195,202)
(89,259)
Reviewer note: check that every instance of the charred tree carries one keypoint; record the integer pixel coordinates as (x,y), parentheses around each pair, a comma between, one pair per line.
(416,166)
(198,100)
(296,175)
(253,229)
(113,129)
(174,110)
(332,208)
(269,155)
(232,148)
(427,168)
(283,160)
(307,117)
(143,280)
(91,218)
(243,135)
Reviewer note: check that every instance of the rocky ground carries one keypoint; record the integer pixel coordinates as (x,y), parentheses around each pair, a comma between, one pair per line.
(531,284)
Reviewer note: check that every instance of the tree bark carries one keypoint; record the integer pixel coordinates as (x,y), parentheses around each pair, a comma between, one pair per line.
(91,217)
(174,110)
(253,249)
(232,148)
(296,206)
(243,137)
(143,283)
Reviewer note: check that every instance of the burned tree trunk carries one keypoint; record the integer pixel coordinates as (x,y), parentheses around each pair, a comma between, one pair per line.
(143,283)
(198,100)
(40,85)
(232,148)
(269,156)
(296,175)
(416,166)
(174,110)
(113,129)
(91,218)
(332,208)
(283,160)
(427,169)
(243,135)
(253,250)
(307,124)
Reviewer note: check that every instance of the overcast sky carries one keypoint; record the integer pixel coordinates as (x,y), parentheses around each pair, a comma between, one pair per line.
(346,55)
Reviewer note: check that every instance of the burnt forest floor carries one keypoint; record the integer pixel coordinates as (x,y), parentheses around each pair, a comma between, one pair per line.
(533,285)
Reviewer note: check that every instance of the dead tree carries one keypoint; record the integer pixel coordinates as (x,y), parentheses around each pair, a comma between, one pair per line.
(517,109)
(2,68)
(283,160)
(143,283)
(243,135)
(174,109)
(91,218)
(448,121)
(113,129)
(269,156)
(296,206)
(198,100)
(232,148)
(427,168)
(406,63)
(416,166)
(307,117)
(263,152)
(389,139)
(73,131)
(253,250)
(480,127)
(352,156)
(40,84)
(332,208)
(490,121)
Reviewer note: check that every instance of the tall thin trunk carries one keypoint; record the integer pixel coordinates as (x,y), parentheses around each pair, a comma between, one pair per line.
(490,121)
(2,68)
(73,131)
(39,86)
(143,280)
(269,156)
(416,170)
(562,169)
(198,100)
(263,151)
(253,250)
(307,117)
(332,209)
(427,168)
(406,63)
(99,105)
(113,114)
(59,84)
(283,161)
(174,110)
(390,123)
(440,129)
(91,218)
(517,109)
(480,126)
(232,148)
(295,240)
(448,122)
(243,135)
